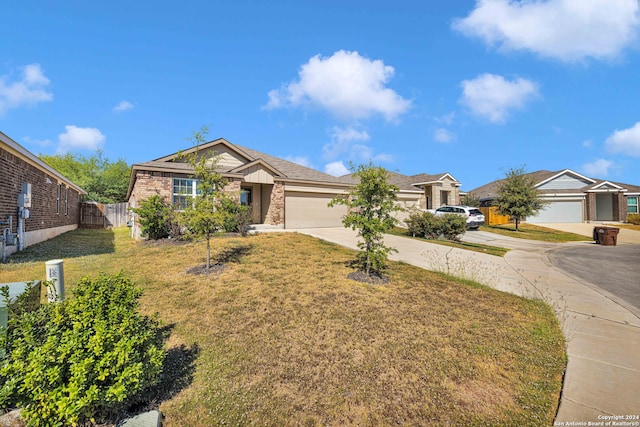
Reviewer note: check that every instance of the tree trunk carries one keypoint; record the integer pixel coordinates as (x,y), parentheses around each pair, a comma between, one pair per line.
(208,255)
(517,222)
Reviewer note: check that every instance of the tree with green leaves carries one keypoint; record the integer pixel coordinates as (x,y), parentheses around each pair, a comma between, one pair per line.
(103,180)
(517,196)
(371,205)
(204,217)
(470,200)
(155,216)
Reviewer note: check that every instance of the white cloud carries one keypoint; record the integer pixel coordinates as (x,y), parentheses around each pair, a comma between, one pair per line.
(336,168)
(568,30)
(38,142)
(443,135)
(597,168)
(341,139)
(347,85)
(80,138)
(492,96)
(626,141)
(587,143)
(123,106)
(28,90)
(301,160)
(447,118)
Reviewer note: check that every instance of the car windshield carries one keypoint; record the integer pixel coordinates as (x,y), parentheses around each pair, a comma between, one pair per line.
(475,212)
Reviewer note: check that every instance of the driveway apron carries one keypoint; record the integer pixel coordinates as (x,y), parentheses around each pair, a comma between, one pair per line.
(603,337)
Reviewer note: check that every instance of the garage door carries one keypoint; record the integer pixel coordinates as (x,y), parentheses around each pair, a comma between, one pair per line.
(567,211)
(310,210)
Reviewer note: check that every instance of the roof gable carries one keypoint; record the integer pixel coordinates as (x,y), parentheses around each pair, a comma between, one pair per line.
(607,185)
(565,180)
(228,152)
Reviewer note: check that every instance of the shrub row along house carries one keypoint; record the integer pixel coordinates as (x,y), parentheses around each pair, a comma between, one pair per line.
(36,201)
(573,197)
(281,193)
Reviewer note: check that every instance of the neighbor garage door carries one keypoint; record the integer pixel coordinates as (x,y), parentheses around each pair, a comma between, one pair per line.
(565,211)
(310,210)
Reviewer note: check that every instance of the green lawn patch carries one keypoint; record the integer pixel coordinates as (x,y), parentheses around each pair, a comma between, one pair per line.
(534,232)
(283,338)
(475,247)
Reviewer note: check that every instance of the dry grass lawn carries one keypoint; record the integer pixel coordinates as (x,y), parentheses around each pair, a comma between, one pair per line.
(283,338)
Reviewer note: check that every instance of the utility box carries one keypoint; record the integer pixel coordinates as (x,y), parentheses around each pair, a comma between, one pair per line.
(15,290)
(55,275)
(24,198)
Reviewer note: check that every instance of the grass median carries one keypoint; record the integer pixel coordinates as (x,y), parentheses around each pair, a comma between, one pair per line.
(284,338)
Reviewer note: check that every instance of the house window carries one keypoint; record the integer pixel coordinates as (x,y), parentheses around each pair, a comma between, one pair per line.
(58,196)
(184,191)
(66,201)
(245,197)
(632,205)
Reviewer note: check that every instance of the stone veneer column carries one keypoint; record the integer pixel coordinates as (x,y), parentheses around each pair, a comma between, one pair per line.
(275,215)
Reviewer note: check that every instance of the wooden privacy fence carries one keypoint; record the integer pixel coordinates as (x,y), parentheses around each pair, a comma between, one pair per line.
(98,215)
(492,217)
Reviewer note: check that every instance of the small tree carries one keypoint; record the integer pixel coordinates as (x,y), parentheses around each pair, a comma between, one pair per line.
(203,218)
(470,200)
(371,203)
(517,196)
(155,216)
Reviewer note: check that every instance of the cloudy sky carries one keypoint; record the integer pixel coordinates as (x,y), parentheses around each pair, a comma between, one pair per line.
(472,88)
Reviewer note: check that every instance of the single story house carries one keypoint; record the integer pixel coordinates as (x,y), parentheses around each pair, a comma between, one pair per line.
(36,201)
(281,193)
(573,197)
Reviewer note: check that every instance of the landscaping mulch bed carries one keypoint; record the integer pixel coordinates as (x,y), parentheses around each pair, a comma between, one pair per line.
(373,279)
(202,269)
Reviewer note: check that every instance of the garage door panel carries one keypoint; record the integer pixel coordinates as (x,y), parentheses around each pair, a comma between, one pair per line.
(560,211)
(310,210)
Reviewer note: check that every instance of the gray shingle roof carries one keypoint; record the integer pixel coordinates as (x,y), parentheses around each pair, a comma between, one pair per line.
(490,190)
(403,182)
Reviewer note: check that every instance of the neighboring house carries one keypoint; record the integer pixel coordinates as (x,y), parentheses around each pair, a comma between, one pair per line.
(421,191)
(281,193)
(573,197)
(38,201)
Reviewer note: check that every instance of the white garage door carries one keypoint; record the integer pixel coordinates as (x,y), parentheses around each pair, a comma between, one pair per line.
(566,211)
(310,210)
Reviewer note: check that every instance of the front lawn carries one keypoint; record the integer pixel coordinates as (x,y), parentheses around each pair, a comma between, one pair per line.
(534,232)
(281,336)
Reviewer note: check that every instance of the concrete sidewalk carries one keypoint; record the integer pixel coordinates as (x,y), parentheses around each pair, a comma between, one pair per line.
(603,338)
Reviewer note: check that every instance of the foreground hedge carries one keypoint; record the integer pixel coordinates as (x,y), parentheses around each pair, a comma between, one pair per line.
(81,359)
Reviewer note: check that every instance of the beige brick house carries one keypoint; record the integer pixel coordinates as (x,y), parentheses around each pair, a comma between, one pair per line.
(281,193)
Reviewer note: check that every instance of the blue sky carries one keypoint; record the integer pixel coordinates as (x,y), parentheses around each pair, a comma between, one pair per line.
(472,88)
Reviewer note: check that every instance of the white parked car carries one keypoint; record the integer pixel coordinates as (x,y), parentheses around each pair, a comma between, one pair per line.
(474,216)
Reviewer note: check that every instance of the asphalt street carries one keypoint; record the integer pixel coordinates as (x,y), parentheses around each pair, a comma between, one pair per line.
(614,269)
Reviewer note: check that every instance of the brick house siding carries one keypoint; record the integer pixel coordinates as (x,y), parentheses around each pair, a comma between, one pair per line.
(45,211)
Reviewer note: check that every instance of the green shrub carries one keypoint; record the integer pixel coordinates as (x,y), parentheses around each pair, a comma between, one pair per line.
(155,216)
(238,216)
(429,226)
(452,226)
(82,359)
(633,219)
